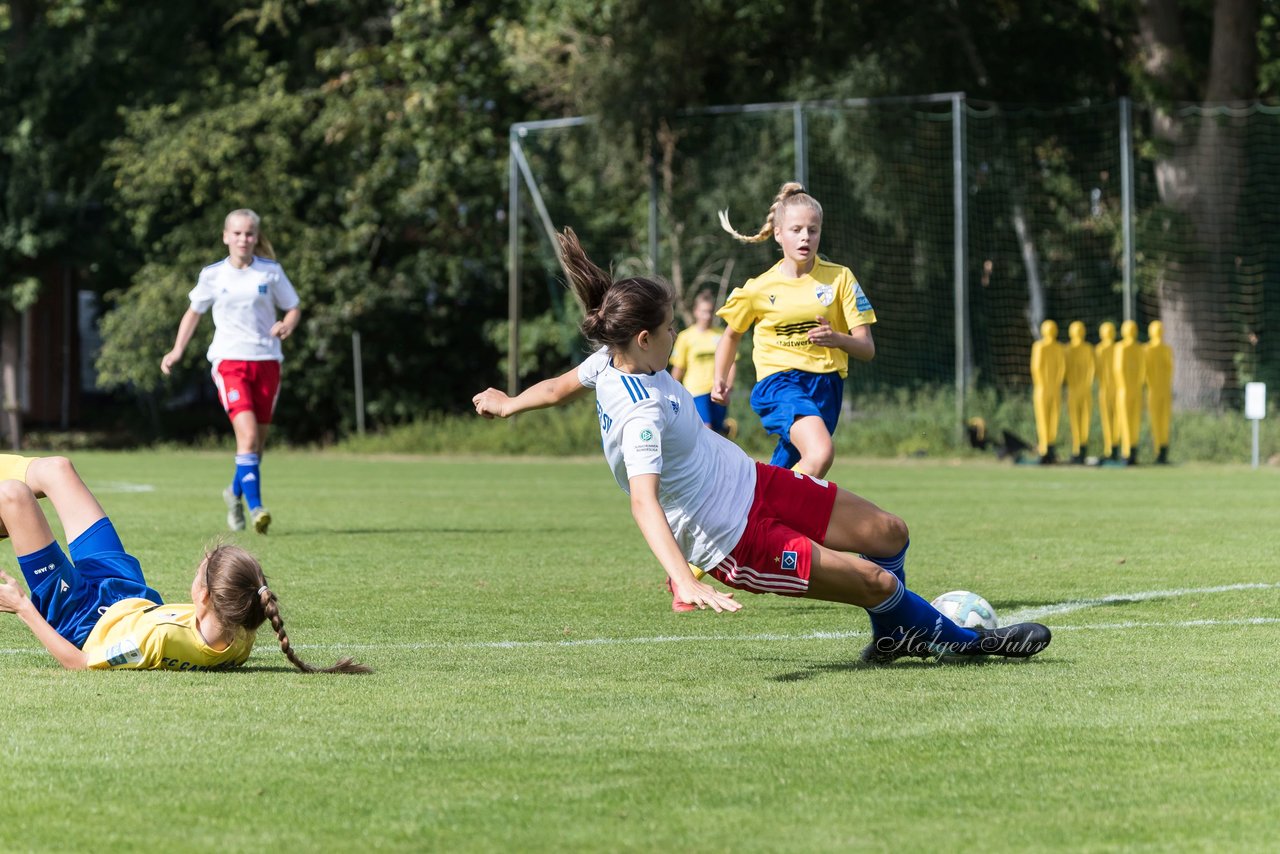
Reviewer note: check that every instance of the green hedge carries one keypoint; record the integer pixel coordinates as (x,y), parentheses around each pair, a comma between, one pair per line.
(889,425)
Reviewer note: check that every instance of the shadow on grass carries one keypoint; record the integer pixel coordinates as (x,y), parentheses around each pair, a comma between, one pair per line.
(425,529)
(906,666)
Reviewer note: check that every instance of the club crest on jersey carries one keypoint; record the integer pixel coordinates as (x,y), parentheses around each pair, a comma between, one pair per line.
(262,289)
(825,293)
(789,560)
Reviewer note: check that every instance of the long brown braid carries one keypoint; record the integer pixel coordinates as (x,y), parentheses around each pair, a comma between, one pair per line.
(239,595)
(791,194)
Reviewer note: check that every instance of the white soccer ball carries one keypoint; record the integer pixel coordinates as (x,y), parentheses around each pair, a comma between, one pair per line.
(967,609)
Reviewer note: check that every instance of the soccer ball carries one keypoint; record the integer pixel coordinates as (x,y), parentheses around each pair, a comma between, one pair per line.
(967,609)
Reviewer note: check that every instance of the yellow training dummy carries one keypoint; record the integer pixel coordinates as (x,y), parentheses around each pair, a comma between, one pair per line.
(1130,373)
(1079,359)
(1159,362)
(1048,369)
(1104,365)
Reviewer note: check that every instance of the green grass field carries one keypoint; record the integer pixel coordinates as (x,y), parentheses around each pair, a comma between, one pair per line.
(535,693)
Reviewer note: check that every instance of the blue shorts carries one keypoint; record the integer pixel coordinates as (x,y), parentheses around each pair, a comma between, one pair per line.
(710,413)
(73,594)
(779,399)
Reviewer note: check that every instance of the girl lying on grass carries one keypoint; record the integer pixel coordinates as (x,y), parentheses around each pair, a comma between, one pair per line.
(95,609)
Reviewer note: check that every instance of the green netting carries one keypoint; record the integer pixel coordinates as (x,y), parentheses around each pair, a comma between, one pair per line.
(1042,220)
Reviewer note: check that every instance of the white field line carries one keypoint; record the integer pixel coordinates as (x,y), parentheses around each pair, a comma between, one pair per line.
(1018,616)
(1038,614)
(122,486)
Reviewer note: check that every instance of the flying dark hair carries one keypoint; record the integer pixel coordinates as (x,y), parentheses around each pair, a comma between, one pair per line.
(616,311)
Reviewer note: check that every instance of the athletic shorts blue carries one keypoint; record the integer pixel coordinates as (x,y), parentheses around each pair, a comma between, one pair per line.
(710,413)
(73,594)
(779,399)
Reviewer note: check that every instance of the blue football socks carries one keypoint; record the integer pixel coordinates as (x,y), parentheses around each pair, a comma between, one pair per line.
(249,480)
(897,565)
(905,613)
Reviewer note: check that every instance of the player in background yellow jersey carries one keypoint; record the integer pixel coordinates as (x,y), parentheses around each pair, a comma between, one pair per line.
(693,361)
(810,316)
(95,610)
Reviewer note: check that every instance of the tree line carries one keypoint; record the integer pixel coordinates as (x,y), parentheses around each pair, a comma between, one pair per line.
(372,138)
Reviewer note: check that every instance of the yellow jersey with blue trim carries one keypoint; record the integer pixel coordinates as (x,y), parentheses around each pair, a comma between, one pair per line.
(695,353)
(783,310)
(138,634)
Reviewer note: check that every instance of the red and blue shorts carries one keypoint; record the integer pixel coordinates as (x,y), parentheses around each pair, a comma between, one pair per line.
(790,512)
(248,386)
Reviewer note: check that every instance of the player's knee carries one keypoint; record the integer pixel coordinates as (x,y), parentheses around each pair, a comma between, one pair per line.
(894,532)
(46,471)
(14,492)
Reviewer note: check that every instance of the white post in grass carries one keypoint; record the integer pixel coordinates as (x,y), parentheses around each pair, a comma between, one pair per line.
(1255,409)
(358,367)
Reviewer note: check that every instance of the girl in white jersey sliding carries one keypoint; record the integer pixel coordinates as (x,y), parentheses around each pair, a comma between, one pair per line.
(698,498)
(91,608)
(244,290)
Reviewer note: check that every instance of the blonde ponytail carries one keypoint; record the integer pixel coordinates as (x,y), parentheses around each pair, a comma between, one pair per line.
(791,193)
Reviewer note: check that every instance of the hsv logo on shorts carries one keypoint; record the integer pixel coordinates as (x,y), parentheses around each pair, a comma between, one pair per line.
(789,560)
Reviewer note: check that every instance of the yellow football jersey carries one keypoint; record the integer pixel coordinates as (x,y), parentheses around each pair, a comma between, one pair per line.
(783,311)
(695,352)
(138,634)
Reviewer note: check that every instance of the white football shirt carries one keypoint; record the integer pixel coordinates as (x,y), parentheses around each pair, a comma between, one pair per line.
(244,306)
(649,425)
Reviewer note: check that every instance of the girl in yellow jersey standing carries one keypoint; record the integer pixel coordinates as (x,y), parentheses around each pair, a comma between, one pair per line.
(94,610)
(810,316)
(693,364)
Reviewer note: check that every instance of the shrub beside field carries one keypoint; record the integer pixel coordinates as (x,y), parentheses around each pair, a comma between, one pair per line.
(887,425)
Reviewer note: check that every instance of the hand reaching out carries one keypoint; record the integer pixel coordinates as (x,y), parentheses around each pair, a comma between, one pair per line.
(491,403)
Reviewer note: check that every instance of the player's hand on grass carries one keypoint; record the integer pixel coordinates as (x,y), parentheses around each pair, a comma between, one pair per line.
(491,403)
(11,594)
(693,592)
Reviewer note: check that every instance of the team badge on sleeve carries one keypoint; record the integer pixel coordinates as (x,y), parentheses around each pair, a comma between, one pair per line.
(825,294)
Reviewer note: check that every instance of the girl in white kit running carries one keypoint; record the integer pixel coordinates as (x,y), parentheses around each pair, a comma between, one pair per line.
(244,290)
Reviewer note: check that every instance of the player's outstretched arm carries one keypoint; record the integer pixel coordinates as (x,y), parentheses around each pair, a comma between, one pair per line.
(186,328)
(726,353)
(653,524)
(14,601)
(492,403)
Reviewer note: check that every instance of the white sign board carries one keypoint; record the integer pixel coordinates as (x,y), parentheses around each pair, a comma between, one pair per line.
(1255,401)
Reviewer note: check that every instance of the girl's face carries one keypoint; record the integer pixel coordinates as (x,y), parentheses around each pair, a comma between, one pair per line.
(702,313)
(798,235)
(241,237)
(655,353)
